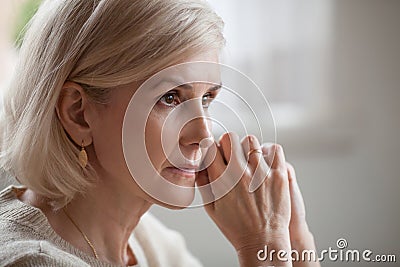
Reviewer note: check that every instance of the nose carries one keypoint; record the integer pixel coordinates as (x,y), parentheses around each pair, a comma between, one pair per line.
(206,142)
(197,133)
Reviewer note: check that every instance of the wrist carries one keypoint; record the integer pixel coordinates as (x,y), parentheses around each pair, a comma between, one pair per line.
(302,243)
(257,239)
(302,238)
(268,249)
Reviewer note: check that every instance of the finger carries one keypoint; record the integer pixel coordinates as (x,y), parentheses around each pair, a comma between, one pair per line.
(205,191)
(257,165)
(252,151)
(274,156)
(291,172)
(225,144)
(202,178)
(237,163)
(296,198)
(214,167)
(221,150)
(231,147)
(215,161)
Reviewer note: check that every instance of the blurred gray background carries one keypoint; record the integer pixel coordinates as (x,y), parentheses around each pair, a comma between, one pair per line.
(331,71)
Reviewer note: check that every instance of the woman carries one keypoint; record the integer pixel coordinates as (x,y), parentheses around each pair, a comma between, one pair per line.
(80,64)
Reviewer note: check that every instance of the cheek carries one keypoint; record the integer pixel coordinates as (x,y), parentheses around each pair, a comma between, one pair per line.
(107,141)
(153,139)
(209,123)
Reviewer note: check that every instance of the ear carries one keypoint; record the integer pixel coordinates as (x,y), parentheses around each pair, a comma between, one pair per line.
(71,107)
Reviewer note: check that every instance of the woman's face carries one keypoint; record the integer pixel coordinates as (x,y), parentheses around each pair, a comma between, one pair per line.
(107,135)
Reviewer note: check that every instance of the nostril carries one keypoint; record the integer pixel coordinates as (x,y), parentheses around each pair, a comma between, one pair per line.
(206,142)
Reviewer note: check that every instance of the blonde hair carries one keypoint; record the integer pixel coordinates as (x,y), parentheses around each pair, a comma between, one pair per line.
(99,44)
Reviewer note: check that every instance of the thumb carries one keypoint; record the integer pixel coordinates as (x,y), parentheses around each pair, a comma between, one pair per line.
(214,167)
(203,185)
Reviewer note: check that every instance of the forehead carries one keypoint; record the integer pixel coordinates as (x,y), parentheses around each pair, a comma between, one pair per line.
(193,71)
(187,76)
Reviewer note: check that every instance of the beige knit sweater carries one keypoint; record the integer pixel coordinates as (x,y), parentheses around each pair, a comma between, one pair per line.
(27,239)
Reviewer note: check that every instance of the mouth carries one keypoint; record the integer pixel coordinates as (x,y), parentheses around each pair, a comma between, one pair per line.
(188,172)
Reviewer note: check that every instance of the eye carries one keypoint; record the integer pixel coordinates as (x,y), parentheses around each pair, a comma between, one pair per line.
(170,99)
(207,99)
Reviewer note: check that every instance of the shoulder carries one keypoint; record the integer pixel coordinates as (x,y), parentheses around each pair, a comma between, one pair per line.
(19,224)
(36,253)
(163,246)
(24,236)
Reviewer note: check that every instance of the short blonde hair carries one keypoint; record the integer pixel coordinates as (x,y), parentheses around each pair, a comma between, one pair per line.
(99,44)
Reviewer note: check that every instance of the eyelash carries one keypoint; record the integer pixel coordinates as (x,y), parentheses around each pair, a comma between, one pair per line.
(175,94)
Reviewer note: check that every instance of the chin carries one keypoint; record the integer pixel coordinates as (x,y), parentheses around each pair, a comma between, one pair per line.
(177,200)
(178,194)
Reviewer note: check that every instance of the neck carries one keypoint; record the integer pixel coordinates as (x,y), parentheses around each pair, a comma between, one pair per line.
(118,217)
(107,219)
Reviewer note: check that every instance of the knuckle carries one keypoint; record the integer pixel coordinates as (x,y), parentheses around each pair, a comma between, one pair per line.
(248,140)
(223,138)
(290,167)
(277,148)
(227,138)
(252,138)
(279,177)
(247,173)
(281,174)
(266,147)
(265,150)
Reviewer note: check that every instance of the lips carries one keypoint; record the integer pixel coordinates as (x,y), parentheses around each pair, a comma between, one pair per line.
(189,167)
(188,171)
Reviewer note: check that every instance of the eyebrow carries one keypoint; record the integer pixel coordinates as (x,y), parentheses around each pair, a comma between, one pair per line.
(190,87)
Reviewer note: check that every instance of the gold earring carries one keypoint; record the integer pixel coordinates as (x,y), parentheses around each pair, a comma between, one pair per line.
(83,159)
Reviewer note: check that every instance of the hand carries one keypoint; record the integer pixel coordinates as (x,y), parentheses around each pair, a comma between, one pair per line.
(250,220)
(300,236)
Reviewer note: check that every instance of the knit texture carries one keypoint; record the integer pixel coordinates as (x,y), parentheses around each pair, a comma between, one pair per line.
(27,239)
